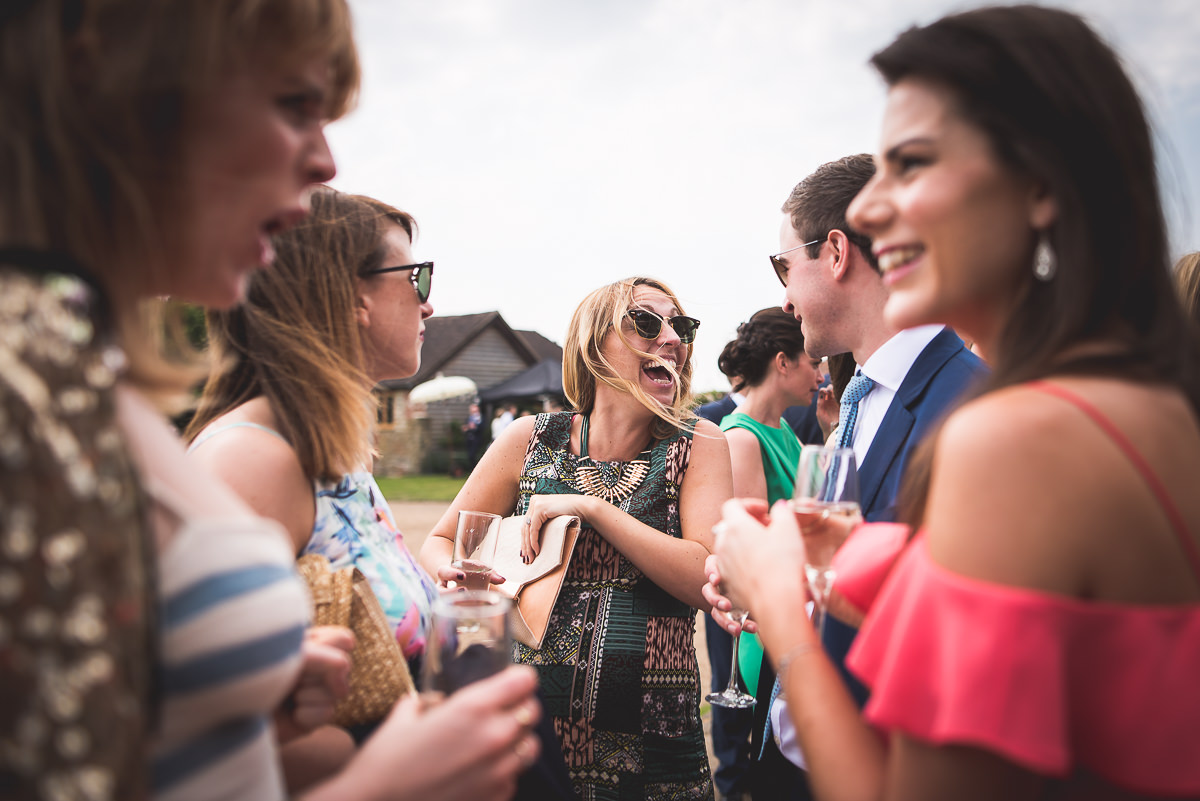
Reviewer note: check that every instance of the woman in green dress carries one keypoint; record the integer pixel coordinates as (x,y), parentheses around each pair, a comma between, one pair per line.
(618,664)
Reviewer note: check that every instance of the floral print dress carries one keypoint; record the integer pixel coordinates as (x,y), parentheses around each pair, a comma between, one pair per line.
(354,526)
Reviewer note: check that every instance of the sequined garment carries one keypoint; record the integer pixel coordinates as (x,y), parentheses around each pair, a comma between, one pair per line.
(618,664)
(74,650)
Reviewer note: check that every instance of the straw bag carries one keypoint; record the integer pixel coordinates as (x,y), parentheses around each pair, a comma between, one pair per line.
(534,587)
(379,674)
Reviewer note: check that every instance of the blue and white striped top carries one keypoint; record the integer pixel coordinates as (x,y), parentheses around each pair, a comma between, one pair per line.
(233,618)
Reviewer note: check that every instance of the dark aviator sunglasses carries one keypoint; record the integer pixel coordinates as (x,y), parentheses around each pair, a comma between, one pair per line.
(648,325)
(422,276)
(781,265)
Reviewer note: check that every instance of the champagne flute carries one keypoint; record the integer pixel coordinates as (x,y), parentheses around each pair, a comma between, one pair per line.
(826,486)
(732,696)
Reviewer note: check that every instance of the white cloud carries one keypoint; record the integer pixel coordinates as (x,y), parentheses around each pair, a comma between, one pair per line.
(549,146)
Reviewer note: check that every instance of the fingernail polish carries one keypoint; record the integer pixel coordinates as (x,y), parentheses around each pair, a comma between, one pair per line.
(461,576)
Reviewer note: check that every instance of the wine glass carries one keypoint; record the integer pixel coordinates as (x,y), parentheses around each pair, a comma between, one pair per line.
(475,548)
(826,486)
(732,696)
(468,639)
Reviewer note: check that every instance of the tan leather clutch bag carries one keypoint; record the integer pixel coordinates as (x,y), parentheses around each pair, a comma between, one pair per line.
(534,587)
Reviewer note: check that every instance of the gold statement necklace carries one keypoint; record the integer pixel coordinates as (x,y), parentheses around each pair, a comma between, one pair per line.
(603,480)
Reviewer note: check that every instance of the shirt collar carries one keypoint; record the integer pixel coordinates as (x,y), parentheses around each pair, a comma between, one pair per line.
(890,363)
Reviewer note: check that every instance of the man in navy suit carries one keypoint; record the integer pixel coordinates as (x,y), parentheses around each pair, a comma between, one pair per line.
(833,286)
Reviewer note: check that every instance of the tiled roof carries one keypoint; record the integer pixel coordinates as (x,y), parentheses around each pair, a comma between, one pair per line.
(445,337)
(543,347)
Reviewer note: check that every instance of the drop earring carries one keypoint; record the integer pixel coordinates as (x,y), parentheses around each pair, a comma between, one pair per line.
(1045,263)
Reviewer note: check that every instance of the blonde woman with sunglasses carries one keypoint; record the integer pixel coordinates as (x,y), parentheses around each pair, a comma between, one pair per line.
(617,665)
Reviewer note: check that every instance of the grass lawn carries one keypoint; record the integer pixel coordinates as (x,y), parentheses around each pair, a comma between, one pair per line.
(421,488)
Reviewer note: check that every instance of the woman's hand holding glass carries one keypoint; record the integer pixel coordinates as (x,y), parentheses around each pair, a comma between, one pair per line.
(758,560)
(825,503)
(469,746)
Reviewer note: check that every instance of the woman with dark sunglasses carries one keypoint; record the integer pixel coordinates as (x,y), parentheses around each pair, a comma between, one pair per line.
(617,664)
(286,417)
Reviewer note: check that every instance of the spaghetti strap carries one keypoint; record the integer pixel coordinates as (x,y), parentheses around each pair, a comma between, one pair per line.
(209,434)
(1139,463)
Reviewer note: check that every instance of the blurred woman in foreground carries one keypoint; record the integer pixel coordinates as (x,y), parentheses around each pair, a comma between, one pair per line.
(153,147)
(1039,633)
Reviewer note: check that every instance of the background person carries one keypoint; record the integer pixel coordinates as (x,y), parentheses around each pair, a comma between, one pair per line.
(473,434)
(1037,633)
(618,662)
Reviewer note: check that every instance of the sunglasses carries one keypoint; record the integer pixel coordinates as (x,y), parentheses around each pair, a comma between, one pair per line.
(781,266)
(648,325)
(422,276)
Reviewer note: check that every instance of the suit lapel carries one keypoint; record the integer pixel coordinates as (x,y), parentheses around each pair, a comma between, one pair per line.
(891,441)
(884,454)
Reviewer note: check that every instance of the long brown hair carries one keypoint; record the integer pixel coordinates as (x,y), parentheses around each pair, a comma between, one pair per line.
(584,365)
(96,99)
(296,341)
(1056,105)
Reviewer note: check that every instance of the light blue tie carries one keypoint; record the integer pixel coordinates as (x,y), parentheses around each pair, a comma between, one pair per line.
(855,391)
(767,735)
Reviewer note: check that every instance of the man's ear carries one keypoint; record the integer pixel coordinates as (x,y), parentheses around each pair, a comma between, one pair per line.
(839,246)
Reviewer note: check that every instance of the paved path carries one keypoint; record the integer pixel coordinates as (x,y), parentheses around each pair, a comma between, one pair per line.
(417,519)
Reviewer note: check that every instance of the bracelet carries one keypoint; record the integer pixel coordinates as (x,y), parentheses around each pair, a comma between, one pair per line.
(791,656)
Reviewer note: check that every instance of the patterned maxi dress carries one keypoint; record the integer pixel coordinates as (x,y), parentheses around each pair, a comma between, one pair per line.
(618,664)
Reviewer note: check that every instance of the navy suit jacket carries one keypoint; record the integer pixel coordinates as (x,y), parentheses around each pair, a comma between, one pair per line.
(936,379)
(940,375)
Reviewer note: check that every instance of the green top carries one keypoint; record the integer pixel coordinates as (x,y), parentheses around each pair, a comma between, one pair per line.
(780,452)
(780,458)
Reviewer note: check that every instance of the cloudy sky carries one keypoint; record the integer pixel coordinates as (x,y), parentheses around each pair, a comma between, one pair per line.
(547,147)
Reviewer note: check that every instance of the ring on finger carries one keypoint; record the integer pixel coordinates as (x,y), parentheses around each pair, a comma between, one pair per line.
(528,520)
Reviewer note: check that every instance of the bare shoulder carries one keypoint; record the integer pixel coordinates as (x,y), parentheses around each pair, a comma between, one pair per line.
(244,442)
(1007,494)
(709,442)
(260,466)
(1028,488)
(743,444)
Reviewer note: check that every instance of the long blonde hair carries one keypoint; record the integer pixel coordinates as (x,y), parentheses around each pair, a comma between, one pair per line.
(97,99)
(584,363)
(296,340)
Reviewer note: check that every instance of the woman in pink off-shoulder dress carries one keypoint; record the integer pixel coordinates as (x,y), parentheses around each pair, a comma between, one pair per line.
(1035,632)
